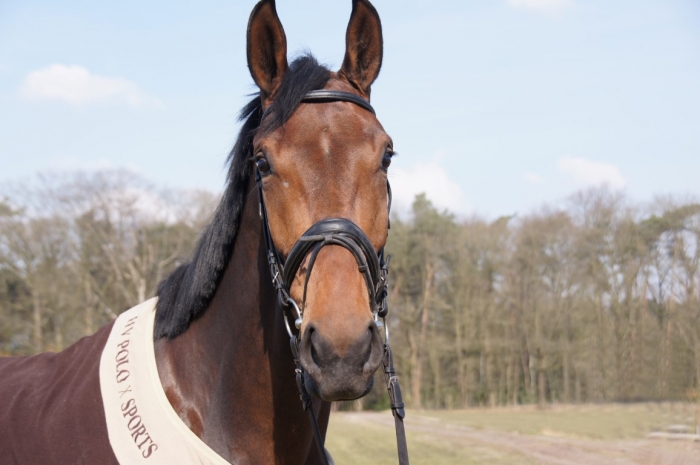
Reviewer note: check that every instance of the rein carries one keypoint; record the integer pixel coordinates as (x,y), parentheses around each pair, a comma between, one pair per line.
(371,264)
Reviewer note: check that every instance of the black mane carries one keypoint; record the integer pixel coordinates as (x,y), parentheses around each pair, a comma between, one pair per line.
(187,292)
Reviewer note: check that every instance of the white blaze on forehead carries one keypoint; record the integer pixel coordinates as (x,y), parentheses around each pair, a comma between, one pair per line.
(325,142)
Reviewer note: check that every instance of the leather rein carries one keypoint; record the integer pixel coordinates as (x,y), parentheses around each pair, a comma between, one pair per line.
(371,264)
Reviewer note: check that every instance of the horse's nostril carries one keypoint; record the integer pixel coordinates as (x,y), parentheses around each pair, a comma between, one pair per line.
(369,347)
(314,354)
(311,337)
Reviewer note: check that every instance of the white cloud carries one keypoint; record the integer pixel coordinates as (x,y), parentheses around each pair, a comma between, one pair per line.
(75,85)
(129,203)
(429,178)
(532,178)
(549,7)
(72,163)
(149,205)
(588,172)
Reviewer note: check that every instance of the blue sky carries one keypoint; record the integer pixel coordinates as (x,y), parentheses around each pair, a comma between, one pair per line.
(495,107)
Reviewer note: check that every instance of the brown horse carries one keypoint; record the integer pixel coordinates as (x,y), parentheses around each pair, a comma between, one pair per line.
(221,321)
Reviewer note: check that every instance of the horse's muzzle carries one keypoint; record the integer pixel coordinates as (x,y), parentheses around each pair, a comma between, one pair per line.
(332,376)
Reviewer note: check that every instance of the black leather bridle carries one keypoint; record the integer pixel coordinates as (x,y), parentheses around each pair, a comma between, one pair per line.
(371,264)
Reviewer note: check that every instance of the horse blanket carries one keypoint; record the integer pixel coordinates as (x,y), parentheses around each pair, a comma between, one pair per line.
(100,401)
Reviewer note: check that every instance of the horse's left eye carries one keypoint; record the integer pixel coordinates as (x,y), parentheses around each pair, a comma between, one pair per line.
(386,160)
(263,166)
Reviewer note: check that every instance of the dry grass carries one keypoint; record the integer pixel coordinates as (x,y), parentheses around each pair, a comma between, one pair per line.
(558,435)
(608,421)
(352,441)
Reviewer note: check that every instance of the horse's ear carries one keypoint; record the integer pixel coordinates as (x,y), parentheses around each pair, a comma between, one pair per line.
(363,47)
(266,48)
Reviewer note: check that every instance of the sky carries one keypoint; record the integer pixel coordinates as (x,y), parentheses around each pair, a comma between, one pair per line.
(495,107)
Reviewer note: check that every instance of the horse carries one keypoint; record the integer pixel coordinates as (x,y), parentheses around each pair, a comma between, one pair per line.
(203,373)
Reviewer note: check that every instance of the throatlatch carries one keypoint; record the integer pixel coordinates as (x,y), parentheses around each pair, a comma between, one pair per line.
(371,264)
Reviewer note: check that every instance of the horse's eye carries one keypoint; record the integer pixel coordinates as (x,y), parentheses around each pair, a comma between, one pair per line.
(263,166)
(386,160)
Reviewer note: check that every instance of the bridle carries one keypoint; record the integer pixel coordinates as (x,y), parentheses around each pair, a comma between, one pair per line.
(371,264)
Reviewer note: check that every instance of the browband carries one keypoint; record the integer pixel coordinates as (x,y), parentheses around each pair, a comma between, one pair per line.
(328,95)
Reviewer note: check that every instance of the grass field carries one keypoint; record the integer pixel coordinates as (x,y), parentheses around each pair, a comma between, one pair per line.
(565,435)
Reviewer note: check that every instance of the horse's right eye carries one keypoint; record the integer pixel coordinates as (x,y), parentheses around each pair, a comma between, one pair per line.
(386,159)
(263,166)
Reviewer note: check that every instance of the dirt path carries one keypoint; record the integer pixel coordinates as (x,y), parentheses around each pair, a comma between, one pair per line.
(550,450)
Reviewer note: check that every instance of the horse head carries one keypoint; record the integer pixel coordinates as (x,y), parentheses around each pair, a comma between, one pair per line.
(320,161)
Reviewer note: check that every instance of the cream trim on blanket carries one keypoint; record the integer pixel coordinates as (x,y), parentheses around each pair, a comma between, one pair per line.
(143,427)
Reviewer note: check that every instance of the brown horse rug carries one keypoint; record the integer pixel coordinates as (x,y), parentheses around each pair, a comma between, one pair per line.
(100,401)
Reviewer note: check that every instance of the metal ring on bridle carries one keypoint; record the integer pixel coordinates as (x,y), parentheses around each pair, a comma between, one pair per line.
(287,300)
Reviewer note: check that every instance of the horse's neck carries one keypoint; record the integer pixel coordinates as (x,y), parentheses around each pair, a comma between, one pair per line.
(230,376)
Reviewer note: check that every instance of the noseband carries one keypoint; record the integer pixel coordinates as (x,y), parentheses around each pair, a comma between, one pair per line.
(371,264)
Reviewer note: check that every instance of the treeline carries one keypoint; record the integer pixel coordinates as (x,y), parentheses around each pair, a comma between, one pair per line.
(594,301)
(76,250)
